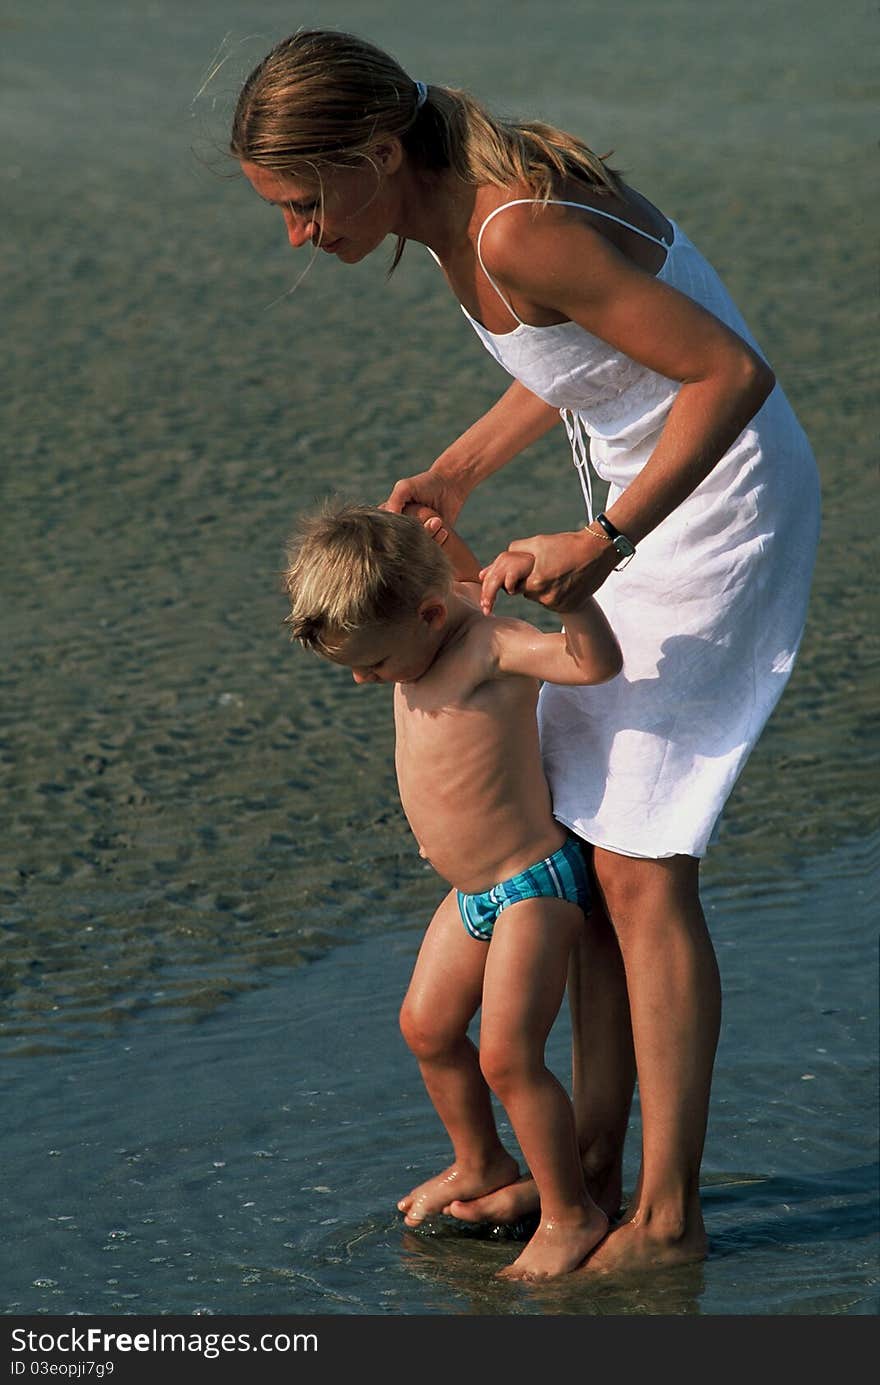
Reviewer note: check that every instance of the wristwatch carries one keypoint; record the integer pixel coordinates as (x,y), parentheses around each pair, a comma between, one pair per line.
(625,547)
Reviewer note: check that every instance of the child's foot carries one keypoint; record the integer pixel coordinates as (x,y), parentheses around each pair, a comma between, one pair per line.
(435,1196)
(519,1201)
(512,1203)
(558,1247)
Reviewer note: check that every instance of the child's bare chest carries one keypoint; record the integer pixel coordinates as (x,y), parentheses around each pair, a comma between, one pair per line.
(442,722)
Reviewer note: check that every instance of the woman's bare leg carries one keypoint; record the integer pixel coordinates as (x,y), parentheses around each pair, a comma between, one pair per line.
(603,1061)
(443,997)
(675,1006)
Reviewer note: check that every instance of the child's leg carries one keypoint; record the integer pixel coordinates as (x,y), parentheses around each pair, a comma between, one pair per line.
(443,997)
(603,1077)
(523,987)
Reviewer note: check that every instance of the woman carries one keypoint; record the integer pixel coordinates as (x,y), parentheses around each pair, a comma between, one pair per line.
(605,314)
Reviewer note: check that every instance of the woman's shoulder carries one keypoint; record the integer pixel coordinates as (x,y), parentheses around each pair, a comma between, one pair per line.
(501,215)
(519,233)
(518,226)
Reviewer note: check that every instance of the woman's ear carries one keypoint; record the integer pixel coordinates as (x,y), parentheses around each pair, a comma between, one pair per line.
(389,154)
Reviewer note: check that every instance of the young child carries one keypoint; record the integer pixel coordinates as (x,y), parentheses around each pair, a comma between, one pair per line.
(396,598)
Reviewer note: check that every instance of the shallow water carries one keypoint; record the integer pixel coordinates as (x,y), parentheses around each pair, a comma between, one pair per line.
(249,1161)
(209,899)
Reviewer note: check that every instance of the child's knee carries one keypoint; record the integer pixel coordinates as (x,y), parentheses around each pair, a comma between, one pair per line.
(425,1036)
(503,1064)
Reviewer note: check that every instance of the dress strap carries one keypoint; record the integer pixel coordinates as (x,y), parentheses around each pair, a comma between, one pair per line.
(519,201)
(556,202)
(609,216)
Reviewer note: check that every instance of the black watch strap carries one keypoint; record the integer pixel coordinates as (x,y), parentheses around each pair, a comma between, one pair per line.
(625,547)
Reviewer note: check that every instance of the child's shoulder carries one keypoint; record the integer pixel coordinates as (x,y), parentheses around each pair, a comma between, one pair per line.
(470,655)
(488,640)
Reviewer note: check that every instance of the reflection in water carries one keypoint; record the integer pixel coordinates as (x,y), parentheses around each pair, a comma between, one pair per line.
(467,1266)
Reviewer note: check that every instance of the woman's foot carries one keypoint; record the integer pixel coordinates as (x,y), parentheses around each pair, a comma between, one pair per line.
(641,1244)
(456,1184)
(558,1247)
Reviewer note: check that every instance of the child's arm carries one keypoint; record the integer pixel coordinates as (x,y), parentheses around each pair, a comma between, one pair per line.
(465,566)
(586,651)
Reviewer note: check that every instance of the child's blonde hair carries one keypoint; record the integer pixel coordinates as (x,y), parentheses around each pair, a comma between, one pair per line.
(322,99)
(350,567)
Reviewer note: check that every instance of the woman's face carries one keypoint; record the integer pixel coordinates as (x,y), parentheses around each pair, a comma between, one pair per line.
(348,212)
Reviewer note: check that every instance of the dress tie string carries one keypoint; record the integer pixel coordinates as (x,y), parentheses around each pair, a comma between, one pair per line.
(580,452)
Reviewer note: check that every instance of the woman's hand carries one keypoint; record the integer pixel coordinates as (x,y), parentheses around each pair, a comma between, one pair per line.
(556,570)
(442,494)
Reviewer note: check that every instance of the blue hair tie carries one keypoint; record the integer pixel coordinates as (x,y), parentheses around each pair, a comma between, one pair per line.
(421,95)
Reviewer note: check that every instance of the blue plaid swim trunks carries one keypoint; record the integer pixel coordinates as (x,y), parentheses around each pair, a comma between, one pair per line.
(560,876)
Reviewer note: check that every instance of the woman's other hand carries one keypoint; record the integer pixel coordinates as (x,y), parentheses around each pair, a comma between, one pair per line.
(440,493)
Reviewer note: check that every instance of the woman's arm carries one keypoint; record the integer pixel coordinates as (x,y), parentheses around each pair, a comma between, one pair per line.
(517,420)
(558,263)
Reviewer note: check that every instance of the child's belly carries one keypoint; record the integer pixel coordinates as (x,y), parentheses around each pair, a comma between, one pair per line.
(479,807)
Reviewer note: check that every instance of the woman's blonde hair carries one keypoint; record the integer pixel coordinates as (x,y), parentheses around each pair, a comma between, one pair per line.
(351,567)
(322,99)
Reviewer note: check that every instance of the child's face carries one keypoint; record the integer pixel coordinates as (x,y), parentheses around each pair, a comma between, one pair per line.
(399,651)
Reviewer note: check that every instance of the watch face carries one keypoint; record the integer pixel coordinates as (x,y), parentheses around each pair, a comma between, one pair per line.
(624,546)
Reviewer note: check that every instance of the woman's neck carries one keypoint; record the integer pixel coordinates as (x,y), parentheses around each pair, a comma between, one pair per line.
(435,209)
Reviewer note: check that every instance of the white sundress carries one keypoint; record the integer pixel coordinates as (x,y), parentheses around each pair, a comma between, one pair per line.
(710,611)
